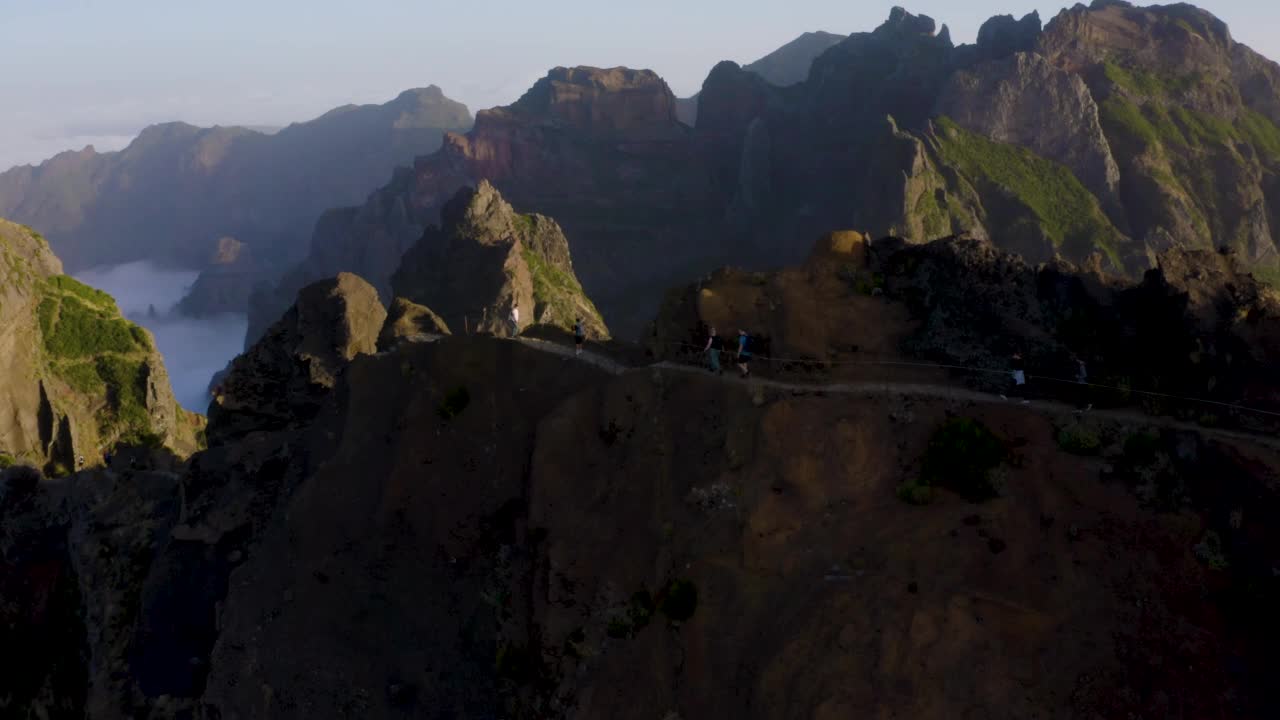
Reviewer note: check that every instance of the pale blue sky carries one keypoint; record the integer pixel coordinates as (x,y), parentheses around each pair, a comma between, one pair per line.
(80,71)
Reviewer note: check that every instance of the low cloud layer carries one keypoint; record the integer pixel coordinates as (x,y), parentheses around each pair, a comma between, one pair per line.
(193,349)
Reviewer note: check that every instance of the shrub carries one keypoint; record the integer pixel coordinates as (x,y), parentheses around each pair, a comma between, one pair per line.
(7,461)
(961,457)
(678,600)
(1079,439)
(1142,448)
(454,403)
(913,492)
(1209,551)
(634,618)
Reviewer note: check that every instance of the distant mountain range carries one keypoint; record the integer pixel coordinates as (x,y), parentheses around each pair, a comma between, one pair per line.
(1110,135)
(176,190)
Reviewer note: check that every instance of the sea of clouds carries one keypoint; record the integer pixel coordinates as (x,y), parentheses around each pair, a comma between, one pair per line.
(194,349)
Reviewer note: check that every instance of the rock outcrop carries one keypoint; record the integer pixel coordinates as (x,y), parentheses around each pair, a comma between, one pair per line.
(484,258)
(1002,36)
(1188,116)
(227,283)
(284,378)
(1023,100)
(177,189)
(76,378)
(788,65)
(599,150)
(409,322)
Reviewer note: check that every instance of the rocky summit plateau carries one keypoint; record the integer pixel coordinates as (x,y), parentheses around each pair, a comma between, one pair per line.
(905,379)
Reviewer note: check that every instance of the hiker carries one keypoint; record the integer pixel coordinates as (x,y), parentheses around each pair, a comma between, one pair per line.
(515,319)
(744,353)
(579,336)
(1019,375)
(714,345)
(1082,380)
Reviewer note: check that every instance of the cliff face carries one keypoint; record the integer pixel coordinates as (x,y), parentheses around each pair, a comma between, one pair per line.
(177,189)
(1164,122)
(529,538)
(1091,141)
(77,376)
(484,258)
(1191,116)
(598,150)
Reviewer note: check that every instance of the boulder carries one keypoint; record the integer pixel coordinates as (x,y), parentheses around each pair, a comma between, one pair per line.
(408,321)
(283,379)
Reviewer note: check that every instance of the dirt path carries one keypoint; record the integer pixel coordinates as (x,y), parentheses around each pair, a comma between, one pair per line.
(920,390)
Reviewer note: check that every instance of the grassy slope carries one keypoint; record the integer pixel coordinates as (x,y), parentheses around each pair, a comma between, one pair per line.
(1184,150)
(1066,210)
(95,351)
(556,289)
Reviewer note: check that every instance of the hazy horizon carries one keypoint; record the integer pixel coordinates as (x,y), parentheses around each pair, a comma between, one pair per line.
(97,73)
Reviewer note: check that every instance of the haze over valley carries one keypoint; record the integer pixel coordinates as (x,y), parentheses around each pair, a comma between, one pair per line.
(569,360)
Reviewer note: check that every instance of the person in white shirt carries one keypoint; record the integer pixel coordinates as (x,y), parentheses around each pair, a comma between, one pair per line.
(515,319)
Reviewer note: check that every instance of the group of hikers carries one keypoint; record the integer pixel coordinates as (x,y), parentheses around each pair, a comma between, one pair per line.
(1018,373)
(715,347)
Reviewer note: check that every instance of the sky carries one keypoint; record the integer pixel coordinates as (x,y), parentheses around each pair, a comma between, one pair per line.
(81,72)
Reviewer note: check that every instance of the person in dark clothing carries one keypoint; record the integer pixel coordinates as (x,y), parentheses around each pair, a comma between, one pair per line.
(744,354)
(1018,373)
(715,344)
(579,336)
(1082,382)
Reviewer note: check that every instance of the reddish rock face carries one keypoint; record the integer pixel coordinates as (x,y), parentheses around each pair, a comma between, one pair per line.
(599,150)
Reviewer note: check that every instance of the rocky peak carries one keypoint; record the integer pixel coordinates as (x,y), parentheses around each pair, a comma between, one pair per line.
(903,23)
(731,97)
(601,102)
(1002,36)
(484,257)
(282,380)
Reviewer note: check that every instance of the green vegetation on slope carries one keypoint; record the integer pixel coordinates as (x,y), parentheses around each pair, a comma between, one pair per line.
(962,456)
(127,418)
(1141,82)
(1067,211)
(98,353)
(559,291)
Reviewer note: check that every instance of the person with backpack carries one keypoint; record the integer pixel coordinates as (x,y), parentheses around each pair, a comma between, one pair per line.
(744,353)
(713,347)
(579,336)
